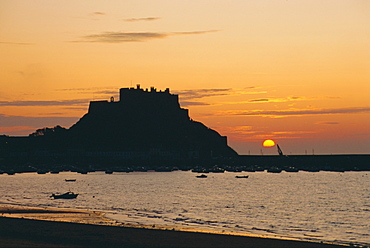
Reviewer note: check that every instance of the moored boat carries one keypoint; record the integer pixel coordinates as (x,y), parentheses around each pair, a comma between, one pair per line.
(201,176)
(246,176)
(70,180)
(67,195)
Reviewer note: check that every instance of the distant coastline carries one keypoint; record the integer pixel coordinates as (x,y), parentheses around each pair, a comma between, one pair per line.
(13,163)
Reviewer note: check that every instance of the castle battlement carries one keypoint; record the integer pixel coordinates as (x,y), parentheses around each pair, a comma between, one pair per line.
(148,98)
(138,98)
(138,90)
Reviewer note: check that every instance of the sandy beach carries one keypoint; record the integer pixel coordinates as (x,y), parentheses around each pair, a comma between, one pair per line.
(37,227)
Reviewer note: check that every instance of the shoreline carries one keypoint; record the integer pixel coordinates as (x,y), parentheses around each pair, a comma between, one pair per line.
(56,214)
(50,227)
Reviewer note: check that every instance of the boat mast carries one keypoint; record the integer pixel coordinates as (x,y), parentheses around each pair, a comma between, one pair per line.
(279,150)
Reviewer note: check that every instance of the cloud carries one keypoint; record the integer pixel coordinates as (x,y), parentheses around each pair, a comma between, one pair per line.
(287,99)
(327,123)
(260,100)
(201,93)
(252,130)
(96,16)
(287,133)
(89,91)
(189,103)
(360,134)
(299,112)
(251,90)
(242,130)
(36,122)
(92,89)
(18,130)
(45,103)
(120,37)
(250,133)
(98,13)
(96,93)
(16,43)
(186,96)
(141,19)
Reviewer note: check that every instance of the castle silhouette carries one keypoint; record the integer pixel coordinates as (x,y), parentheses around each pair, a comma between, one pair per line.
(146,120)
(143,125)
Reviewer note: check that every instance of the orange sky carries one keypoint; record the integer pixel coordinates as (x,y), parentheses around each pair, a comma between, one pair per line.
(297,72)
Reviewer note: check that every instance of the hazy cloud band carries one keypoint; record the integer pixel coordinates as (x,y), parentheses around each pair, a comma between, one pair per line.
(15,43)
(14,121)
(141,19)
(302,112)
(44,103)
(200,93)
(119,37)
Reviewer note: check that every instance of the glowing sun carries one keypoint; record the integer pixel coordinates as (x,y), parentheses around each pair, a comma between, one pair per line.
(268,143)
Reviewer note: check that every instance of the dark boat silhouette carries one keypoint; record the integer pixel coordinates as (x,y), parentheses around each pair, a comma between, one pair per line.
(67,195)
(242,176)
(70,180)
(201,176)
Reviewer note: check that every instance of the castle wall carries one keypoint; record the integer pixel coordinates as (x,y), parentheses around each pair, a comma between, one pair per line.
(159,102)
(100,106)
(149,97)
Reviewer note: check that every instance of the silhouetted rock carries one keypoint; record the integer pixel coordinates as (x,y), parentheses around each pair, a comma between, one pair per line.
(145,120)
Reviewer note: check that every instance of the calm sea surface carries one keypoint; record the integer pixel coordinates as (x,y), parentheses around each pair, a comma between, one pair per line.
(321,206)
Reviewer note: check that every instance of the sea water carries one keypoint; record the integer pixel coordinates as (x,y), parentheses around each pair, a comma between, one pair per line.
(320,206)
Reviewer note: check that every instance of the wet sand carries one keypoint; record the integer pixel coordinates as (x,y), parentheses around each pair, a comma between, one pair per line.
(37,227)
